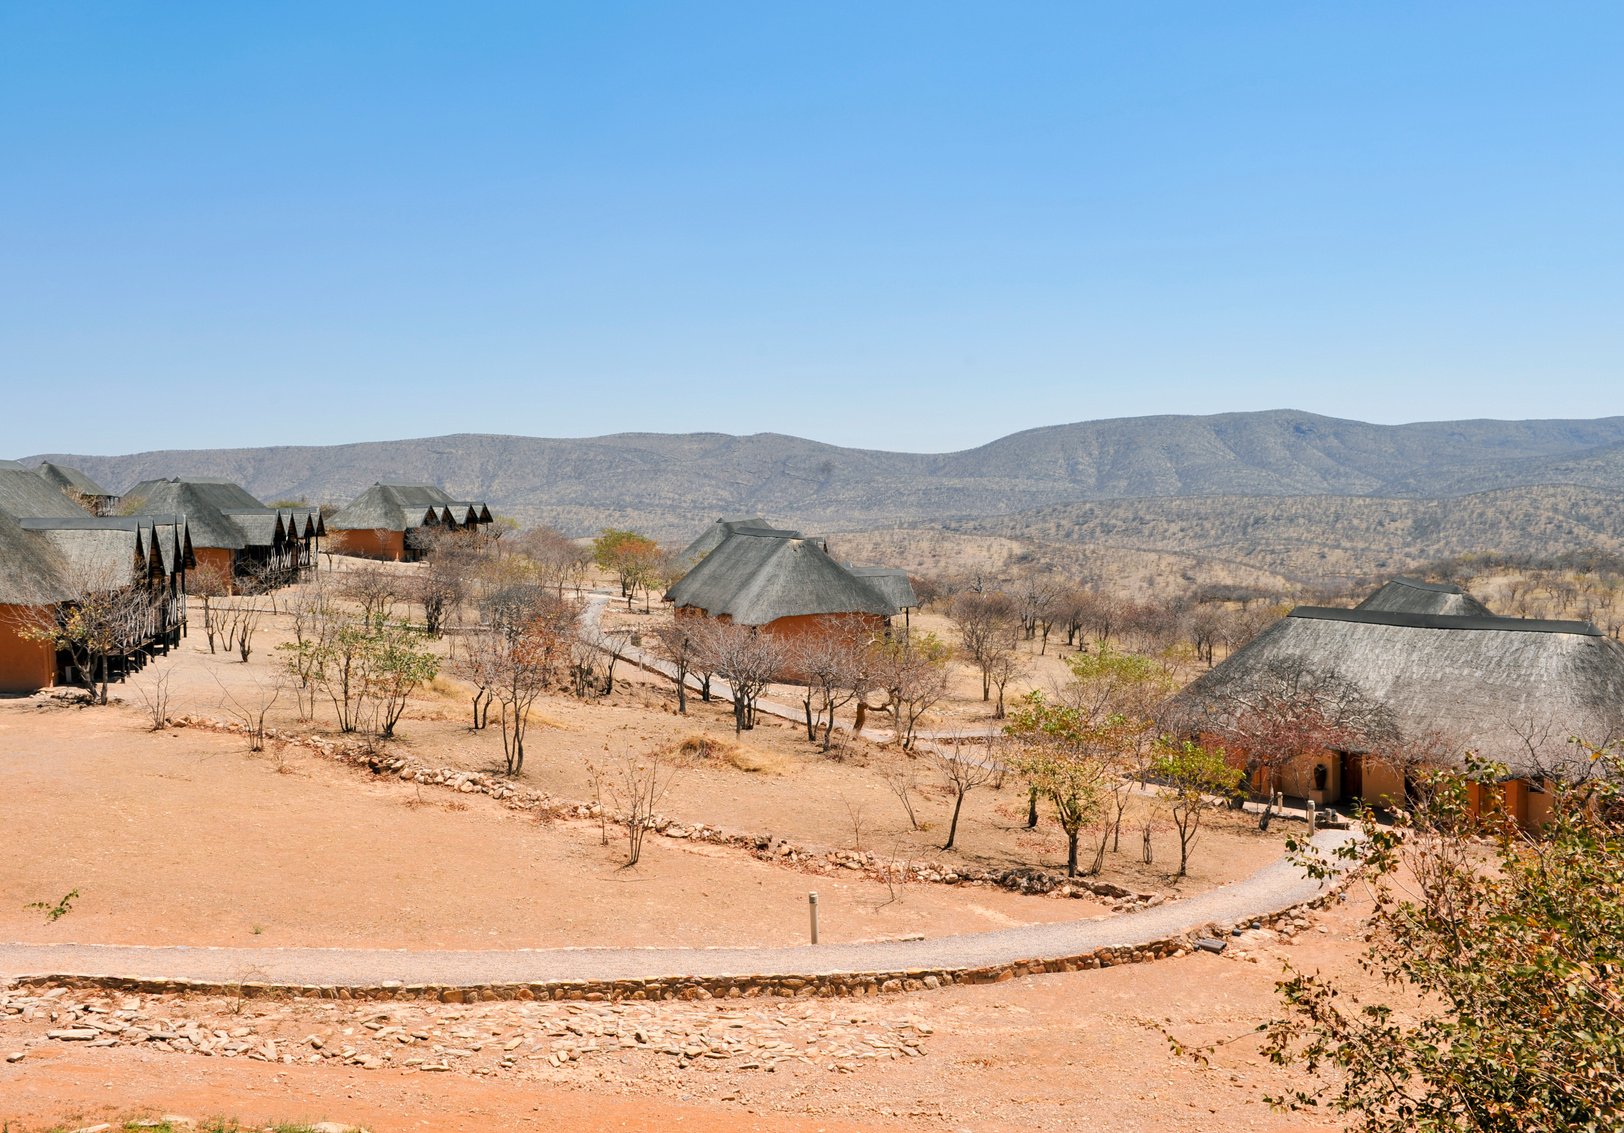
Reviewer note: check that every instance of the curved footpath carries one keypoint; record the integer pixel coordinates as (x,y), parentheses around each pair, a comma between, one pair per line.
(570,971)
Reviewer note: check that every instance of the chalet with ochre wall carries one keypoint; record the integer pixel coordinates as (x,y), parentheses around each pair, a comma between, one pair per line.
(1513,690)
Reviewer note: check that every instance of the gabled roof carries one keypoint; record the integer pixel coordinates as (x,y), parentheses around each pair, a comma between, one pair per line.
(400,507)
(756,578)
(1409,595)
(107,550)
(1511,689)
(68,479)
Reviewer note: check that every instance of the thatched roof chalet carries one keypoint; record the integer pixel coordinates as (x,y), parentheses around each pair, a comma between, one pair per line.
(402,507)
(1512,689)
(754,577)
(223,515)
(49,559)
(1411,596)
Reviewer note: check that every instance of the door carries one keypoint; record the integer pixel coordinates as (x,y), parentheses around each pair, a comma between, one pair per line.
(1353,776)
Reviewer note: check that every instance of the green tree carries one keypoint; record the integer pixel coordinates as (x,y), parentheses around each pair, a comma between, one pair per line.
(1501,957)
(633,558)
(1068,757)
(1192,774)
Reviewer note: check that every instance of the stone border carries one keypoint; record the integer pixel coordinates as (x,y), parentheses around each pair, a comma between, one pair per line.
(781,985)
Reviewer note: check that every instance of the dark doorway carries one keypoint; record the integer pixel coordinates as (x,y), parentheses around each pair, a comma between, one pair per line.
(1353,775)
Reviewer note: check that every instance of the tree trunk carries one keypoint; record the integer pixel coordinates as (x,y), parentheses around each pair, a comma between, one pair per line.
(682,692)
(953,826)
(1071,852)
(1032,808)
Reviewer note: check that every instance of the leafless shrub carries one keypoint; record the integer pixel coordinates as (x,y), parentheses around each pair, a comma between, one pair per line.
(903,781)
(252,708)
(154,693)
(636,784)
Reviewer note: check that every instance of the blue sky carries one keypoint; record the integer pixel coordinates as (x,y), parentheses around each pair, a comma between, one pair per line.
(911,226)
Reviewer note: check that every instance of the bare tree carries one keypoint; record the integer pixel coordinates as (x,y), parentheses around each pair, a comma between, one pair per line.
(531,632)
(373,588)
(250,709)
(449,557)
(207,582)
(560,561)
(154,693)
(107,619)
(913,674)
(1037,595)
(834,664)
(985,622)
(677,642)
(748,660)
(1005,666)
(904,781)
(962,772)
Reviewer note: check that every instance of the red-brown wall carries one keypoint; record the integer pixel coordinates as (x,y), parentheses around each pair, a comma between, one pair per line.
(368,544)
(25,665)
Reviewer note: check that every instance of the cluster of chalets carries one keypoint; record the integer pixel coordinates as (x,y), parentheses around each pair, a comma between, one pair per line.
(93,584)
(397,521)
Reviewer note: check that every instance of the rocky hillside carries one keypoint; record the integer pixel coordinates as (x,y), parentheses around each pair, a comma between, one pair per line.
(672,484)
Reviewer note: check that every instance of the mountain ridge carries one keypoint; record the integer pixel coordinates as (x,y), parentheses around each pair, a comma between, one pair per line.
(671,483)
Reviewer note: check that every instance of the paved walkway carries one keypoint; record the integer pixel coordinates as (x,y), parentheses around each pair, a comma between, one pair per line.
(1272,889)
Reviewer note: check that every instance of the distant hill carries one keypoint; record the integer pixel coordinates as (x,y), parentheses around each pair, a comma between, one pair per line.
(670,485)
(1326,538)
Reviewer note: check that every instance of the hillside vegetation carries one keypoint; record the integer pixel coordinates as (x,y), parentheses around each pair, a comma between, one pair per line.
(668,484)
(1241,496)
(1321,538)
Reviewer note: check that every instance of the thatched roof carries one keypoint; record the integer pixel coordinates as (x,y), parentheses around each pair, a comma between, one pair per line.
(1511,689)
(756,578)
(108,550)
(67,479)
(218,493)
(32,573)
(1411,596)
(892,582)
(401,507)
(24,494)
(201,503)
(711,538)
(222,514)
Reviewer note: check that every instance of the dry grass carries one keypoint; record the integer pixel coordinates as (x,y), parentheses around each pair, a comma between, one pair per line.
(698,747)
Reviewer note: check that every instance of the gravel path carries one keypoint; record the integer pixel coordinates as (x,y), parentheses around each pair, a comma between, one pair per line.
(1275,887)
